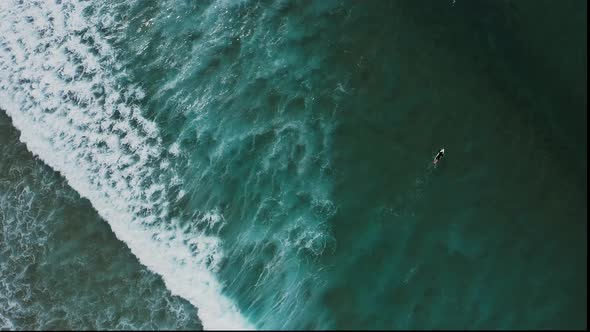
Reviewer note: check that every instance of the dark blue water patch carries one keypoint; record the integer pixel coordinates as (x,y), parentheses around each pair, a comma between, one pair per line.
(539,66)
(500,172)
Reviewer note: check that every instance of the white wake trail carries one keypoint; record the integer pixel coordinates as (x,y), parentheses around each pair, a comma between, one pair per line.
(56,86)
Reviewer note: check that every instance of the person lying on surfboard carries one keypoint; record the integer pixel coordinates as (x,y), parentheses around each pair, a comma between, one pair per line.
(438,156)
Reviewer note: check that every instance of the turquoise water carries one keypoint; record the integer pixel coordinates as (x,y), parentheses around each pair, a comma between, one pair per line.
(267,164)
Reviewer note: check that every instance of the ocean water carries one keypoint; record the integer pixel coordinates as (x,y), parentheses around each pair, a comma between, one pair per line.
(268,164)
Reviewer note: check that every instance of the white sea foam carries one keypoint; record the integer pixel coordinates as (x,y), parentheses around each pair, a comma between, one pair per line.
(56,87)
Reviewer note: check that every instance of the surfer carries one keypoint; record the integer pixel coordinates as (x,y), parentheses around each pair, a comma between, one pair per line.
(438,156)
